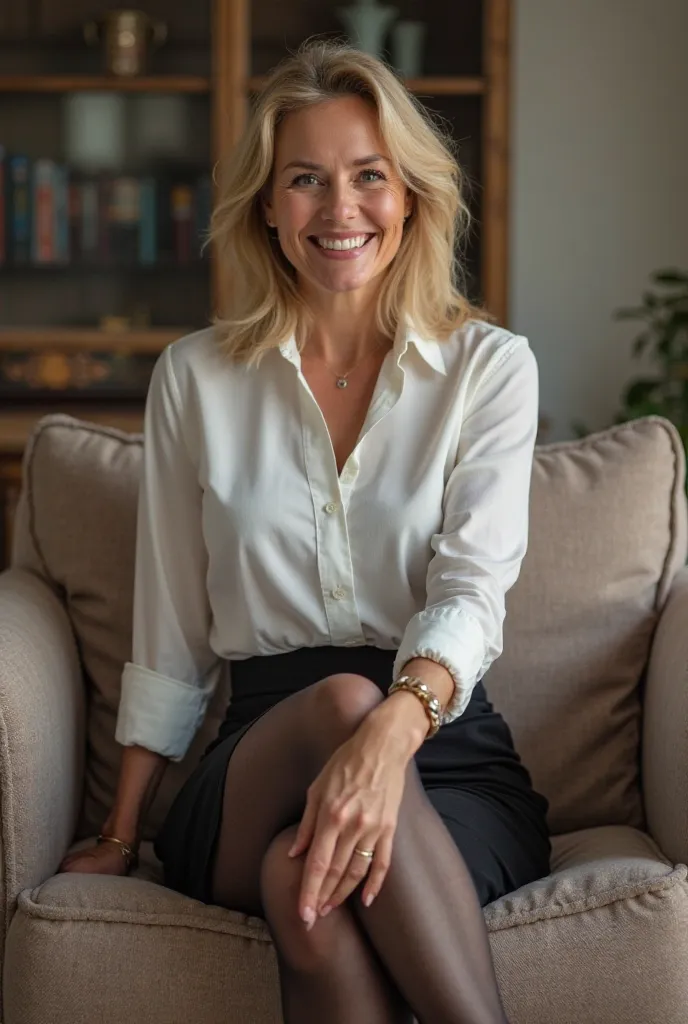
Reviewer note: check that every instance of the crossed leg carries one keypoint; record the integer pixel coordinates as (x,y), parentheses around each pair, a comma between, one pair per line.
(421,948)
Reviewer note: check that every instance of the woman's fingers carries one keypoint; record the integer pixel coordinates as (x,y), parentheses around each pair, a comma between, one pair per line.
(352,869)
(379,867)
(317,865)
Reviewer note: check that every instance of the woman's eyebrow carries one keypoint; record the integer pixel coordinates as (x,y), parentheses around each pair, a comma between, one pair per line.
(373,158)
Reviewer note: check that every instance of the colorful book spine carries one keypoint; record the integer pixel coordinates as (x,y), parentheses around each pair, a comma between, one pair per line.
(61,227)
(148,229)
(43,240)
(89,219)
(19,205)
(182,220)
(4,189)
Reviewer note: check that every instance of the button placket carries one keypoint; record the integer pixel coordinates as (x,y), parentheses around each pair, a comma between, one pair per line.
(333,552)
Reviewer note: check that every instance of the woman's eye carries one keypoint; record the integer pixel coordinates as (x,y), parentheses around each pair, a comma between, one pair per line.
(300,179)
(379,176)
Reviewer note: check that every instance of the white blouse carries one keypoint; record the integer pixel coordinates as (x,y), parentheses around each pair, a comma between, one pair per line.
(250,543)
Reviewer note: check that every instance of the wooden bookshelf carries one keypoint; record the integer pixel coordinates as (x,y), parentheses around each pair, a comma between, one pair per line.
(440,85)
(220,51)
(104,83)
(83,339)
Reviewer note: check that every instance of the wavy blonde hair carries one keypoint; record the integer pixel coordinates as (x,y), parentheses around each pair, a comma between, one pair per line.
(423,281)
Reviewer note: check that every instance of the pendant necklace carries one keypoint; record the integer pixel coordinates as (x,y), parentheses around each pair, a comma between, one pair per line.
(341,379)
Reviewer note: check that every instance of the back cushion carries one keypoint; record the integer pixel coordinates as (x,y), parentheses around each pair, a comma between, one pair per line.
(608,532)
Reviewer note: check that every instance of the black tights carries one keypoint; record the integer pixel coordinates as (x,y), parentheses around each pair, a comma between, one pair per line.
(421,948)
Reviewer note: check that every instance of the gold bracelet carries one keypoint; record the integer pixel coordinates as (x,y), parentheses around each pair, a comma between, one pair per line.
(430,701)
(130,855)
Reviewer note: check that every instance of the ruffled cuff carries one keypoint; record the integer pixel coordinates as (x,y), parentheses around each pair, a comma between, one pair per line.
(158,712)
(452,638)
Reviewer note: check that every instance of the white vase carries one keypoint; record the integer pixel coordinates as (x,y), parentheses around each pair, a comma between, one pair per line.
(366,24)
(94,134)
(407,47)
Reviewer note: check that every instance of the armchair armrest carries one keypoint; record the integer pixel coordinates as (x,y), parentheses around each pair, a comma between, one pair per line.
(665,727)
(42,715)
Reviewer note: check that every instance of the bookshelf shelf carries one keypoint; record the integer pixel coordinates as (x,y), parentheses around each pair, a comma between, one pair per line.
(439,85)
(91,339)
(104,83)
(93,267)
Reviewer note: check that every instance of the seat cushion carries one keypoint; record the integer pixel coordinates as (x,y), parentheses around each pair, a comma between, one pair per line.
(604,938)
(608,532)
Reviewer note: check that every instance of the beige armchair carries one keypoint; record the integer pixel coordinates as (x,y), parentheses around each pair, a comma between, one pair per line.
(593,680)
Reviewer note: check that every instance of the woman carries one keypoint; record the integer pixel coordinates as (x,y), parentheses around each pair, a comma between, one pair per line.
(335,496)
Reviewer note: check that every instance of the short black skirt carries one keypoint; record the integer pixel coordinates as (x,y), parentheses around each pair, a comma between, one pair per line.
(469,769)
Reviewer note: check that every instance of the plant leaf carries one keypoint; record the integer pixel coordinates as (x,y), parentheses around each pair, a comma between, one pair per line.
(670,277)
(640,344)
(639,391)
(637,313)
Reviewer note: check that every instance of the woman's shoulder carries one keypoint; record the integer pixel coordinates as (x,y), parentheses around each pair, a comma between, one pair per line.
(480,338)
(197,364)
(477,348)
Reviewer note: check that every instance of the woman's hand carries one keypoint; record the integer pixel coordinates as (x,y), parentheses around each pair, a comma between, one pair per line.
(103,859)
(354,801)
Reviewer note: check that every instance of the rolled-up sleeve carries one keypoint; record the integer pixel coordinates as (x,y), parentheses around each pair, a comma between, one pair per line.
(478,555)
(173,671)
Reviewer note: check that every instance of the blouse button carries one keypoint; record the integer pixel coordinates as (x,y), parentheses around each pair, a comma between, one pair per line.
(339,593)
(331,507)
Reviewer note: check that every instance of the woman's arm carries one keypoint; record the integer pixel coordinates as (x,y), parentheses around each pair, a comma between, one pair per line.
(484,537)
(140,775)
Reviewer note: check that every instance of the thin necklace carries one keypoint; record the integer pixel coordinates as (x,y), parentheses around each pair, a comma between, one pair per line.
(342,379)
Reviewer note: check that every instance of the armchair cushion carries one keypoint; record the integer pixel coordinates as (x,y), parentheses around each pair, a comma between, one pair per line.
(604,938)
(608,533)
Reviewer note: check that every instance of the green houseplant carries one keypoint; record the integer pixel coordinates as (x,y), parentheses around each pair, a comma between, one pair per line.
(664,337)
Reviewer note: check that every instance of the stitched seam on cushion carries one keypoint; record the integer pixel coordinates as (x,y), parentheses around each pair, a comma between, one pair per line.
(32,909)
(9,852)
(664,883)
(673,532)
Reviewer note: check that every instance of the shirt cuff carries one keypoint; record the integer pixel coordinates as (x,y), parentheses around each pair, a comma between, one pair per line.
(454,639)
(158,712)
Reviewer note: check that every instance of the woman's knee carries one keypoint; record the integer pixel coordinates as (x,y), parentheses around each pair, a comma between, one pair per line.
(280,886)
(343,701)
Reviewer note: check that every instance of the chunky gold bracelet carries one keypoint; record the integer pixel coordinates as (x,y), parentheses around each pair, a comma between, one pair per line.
(430,701)
(130,855)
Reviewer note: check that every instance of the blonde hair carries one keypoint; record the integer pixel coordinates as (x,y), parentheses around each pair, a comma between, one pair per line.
(422,282)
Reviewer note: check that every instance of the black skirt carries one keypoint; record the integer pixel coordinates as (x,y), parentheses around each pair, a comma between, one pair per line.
(469,769)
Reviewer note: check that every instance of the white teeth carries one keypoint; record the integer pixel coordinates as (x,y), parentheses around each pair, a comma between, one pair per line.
(343,243)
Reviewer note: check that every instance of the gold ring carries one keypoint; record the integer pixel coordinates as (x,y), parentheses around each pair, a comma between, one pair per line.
(364,853)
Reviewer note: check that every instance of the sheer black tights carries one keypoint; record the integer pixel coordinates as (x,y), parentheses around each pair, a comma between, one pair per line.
(421,948)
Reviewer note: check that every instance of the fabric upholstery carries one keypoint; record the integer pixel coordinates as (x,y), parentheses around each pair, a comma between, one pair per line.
(665,727)
(608,532)
(614,912)
(76,527)
(41,735)
(603,938)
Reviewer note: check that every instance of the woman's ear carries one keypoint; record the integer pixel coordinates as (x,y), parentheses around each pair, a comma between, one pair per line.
(267,209)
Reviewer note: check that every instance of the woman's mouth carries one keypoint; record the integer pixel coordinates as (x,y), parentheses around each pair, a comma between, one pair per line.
(340,248)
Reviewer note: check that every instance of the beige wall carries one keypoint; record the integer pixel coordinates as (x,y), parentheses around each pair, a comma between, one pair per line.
(599,185)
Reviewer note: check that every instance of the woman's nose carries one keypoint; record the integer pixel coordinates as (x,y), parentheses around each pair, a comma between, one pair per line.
(340,202)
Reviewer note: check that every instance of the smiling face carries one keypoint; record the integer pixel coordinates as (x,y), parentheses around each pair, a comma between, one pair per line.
(335,198)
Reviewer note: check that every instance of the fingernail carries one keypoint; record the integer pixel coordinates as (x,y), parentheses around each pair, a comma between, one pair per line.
(368,899)
(325,910)
(309,917)
(292,851)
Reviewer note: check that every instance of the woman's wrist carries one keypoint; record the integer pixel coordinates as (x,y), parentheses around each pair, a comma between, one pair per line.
(401,721)
(122,827)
